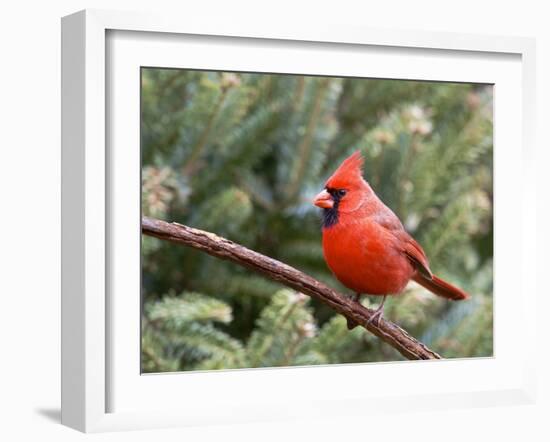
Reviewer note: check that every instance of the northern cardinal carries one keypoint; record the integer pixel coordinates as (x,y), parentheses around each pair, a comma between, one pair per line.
(365,244)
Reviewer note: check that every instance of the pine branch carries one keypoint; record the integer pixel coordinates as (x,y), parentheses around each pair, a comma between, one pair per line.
(224,249)
(189,167)
(304,148)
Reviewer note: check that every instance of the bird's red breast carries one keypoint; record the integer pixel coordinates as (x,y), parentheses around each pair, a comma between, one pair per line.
(366,257)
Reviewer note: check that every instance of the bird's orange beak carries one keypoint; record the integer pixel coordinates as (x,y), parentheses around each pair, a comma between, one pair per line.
(324,200)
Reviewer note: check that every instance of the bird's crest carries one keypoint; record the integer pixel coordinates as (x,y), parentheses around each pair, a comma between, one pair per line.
(350,171)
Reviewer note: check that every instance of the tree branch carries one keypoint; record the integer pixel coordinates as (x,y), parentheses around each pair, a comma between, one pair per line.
(224,249)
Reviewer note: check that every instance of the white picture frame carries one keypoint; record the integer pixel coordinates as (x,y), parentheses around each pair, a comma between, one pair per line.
(90,323)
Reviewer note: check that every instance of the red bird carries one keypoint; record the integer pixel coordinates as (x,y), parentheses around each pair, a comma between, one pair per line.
(365,244)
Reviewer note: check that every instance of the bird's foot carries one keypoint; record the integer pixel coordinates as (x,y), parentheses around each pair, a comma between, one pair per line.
(376,316)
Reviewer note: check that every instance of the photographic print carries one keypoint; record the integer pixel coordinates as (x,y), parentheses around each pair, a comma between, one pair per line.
(381,189)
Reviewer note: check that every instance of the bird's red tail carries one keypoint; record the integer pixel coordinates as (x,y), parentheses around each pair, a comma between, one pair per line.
(441,288)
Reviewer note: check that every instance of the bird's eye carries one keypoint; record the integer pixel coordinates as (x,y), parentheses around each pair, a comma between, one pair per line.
(341,192)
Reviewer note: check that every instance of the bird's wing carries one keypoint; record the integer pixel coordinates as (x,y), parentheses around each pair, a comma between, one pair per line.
(406,243)
(416,255)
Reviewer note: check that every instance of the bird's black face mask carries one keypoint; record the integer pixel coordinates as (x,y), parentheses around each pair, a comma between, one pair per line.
(330,216)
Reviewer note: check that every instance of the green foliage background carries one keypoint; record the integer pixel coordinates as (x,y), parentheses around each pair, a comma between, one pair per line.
(242,155)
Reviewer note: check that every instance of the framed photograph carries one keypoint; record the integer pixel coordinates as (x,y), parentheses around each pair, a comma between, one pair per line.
(291,223)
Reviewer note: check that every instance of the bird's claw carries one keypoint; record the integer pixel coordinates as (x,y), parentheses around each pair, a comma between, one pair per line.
(377,315)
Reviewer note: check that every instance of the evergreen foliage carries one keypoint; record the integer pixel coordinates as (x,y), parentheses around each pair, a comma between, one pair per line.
(242,155)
